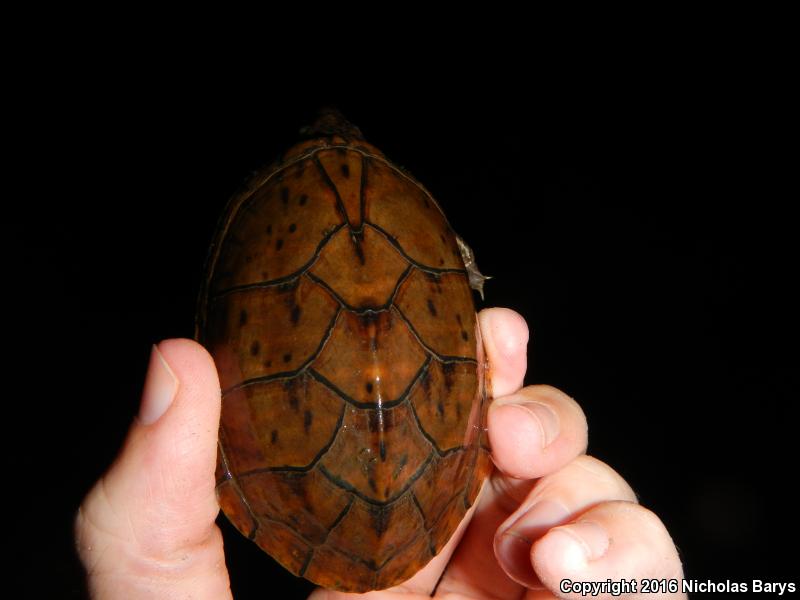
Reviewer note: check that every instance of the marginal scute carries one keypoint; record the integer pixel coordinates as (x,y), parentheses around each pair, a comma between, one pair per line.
(335,570)
(375,533)
(305,501)
(430,496)
(283,543)
(361,269)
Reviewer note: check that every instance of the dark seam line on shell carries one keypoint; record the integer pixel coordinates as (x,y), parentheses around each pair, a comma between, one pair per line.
(442,358)
(237,488)
(424,521)
(349,488)
(370,564)
(339,203)
(295,372)
(433,270)
(394,554)
(313,546)
(431,441)
(404,398)
(280,280)
(361,311)
(226,476)
(302,538)
(307,562)
(362,198)
(472,466)
(338,519)
(372,405)
(455,498)
(309,466)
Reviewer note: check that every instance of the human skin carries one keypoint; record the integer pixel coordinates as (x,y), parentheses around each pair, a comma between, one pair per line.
(548,512)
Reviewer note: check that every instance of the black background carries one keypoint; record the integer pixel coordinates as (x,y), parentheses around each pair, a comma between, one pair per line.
(638,222)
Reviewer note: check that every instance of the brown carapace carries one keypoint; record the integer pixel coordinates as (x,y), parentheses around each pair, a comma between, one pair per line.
(338,309)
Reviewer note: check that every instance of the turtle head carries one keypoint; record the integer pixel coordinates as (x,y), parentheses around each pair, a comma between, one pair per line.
(329,122)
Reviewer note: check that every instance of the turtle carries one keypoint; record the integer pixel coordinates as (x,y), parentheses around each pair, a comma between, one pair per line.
(337,303)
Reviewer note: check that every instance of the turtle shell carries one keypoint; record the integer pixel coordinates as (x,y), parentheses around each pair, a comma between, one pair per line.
(338,309)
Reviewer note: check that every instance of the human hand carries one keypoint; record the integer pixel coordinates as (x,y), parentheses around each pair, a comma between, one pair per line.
(548,513)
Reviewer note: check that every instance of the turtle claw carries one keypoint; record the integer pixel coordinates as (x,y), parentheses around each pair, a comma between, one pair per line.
(476,278)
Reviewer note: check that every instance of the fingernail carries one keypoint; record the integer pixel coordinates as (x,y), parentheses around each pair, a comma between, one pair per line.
(513,548)
(581,542)
(545,418)
(160,388)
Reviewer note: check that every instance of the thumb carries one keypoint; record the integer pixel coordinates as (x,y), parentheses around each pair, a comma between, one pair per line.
(146,529)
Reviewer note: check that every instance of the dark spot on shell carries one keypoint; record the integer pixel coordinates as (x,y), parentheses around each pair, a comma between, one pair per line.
(287,358)
(464,335)
(255,348)
(426,381)
(243,317)
(279,244)
(248,259)
(292,228)
(267,363)
(295,315)
(400,465)
(307,419)
(427,204)
(264,275)
(441,261)
(448,369)
(273,436)
(382,447)
(431,307)
(369,387)
(269,229)
(373,486)
(458,318)
(345,171)
(380,518)
(301,167)
(303,200)
(440,409)
(285,195)
(444,239)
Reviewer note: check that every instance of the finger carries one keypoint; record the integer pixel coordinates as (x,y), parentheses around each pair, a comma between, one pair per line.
(536,431)
(555,500)
(614,540)
(523,447)
(147,527)
(505,339)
